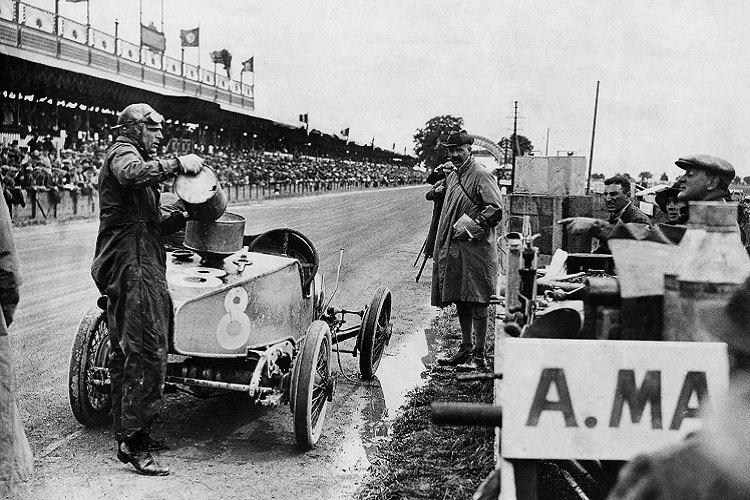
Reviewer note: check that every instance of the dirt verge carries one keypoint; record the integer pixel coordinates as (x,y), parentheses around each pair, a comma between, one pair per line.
(424,460)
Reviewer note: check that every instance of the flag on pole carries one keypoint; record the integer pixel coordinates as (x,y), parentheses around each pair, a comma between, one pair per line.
(190,38)
(152,38)
(249,65)
(222,57)
(345,132)
(304,118)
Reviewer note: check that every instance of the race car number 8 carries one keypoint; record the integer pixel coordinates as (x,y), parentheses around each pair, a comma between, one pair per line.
(233,329)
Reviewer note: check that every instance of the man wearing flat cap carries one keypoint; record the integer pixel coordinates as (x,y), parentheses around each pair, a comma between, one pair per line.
(465,251)
(706,178)
(713,463)
(129,267)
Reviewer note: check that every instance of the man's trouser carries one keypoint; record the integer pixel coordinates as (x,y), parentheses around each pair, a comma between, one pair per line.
(139,323)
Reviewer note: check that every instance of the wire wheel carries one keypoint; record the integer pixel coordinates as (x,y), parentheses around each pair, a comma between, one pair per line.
(375,332)
(312,385)
(89,387)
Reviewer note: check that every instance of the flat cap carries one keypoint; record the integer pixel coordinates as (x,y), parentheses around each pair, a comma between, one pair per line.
(457,138)
(711,164)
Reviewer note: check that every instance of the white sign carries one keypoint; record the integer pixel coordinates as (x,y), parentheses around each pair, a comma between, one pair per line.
(605,399)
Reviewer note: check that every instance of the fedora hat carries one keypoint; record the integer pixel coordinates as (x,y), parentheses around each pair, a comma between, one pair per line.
(457,138)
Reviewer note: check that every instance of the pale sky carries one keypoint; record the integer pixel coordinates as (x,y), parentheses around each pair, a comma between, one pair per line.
(675,74)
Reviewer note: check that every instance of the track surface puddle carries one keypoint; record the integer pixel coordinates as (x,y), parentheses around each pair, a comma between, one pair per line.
(401,370)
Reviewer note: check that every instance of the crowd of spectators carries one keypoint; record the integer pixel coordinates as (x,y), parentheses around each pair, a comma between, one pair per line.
(41,169)
(38,167)
(274,169)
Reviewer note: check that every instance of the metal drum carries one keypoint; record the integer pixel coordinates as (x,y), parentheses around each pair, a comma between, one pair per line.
(216,240)
(202,194)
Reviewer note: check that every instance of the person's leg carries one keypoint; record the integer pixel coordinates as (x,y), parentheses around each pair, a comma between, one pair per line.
(464,310)
(465,320)
(143,346)
(479,322)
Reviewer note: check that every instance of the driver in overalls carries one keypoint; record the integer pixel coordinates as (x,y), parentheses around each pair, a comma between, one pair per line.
(129,267)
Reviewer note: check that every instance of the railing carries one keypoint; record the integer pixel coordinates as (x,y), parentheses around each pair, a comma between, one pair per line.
(37,30)
(61,204)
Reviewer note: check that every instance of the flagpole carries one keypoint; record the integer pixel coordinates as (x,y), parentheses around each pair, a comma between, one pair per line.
(140,30)
(88,23)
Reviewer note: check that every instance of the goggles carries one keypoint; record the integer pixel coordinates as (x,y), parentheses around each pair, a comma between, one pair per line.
(150,119)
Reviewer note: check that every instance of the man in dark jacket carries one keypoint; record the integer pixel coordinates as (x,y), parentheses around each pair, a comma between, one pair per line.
(130,269)
(618,202)
(465,253)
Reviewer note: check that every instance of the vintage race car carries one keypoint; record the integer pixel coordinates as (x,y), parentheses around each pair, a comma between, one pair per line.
(256,321)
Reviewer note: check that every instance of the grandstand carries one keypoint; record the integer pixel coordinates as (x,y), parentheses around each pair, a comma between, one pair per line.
(64,82)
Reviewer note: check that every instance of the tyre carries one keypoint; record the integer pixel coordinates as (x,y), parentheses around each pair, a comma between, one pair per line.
(312,385)
(88,377)
(375,332)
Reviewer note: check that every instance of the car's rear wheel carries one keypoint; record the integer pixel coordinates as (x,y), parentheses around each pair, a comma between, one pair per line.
(375,332)
(89,387)
(312,385)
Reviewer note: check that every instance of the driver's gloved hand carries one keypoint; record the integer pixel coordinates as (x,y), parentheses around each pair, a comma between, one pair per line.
(190,164)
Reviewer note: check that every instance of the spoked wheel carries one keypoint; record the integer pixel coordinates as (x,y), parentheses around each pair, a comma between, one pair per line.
(89,388)
(312,385)
(375,332)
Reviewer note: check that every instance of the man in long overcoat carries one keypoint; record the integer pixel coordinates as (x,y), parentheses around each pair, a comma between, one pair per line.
(465,252)
(130,269)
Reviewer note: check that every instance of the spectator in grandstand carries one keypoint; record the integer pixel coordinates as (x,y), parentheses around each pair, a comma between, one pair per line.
(129,267)
(465,252)
(713,463)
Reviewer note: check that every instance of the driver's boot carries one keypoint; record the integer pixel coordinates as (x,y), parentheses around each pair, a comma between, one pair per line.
(136,454)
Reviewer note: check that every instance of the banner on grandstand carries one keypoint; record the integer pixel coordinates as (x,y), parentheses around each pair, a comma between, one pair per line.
(190,38)
(153,38)
(249,65)
(76,1)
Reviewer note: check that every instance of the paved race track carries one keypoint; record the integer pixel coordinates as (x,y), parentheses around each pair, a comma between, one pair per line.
(222,447)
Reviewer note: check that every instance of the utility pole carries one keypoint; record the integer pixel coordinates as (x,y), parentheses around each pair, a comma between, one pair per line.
(513,146)
(593,133)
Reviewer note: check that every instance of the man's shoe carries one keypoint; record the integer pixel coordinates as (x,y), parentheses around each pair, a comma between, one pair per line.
(473,365)
(462,356)
(141,459)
